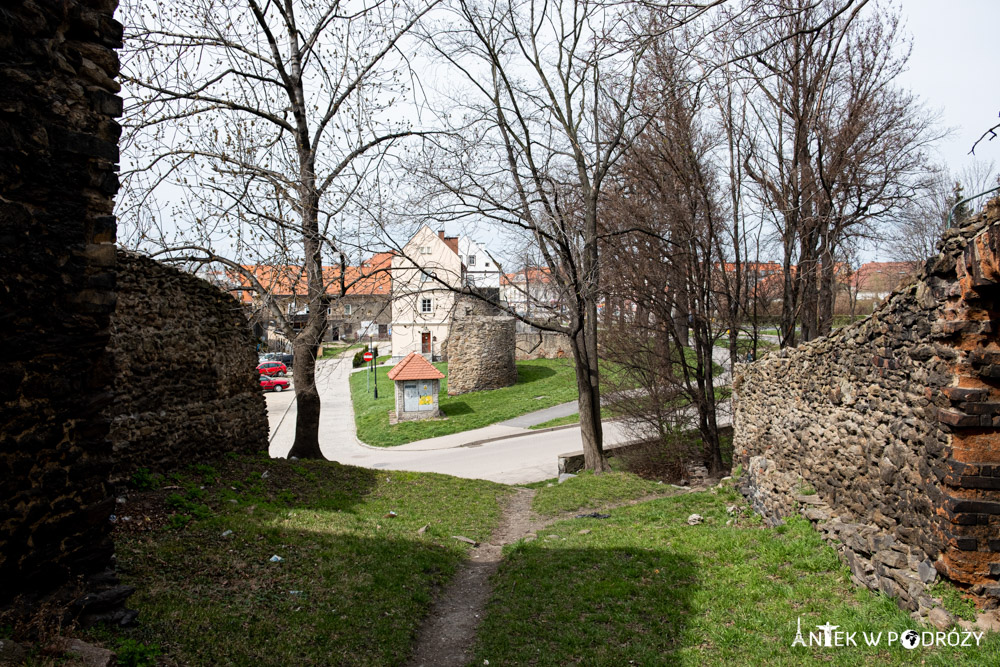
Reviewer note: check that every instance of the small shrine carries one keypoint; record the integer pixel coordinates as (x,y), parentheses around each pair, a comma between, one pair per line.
(417,386)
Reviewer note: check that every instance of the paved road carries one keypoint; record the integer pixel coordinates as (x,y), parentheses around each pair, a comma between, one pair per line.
(507,452)
(510,460)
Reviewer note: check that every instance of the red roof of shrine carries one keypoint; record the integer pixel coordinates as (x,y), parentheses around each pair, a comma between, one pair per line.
(414,367)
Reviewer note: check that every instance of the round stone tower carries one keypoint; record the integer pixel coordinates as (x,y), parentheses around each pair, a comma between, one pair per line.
(481,353)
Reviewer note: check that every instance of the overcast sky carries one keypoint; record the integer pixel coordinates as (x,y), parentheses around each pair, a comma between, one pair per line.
(954,69)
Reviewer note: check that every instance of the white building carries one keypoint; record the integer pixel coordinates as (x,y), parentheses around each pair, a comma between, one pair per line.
(422,302)
(480,269)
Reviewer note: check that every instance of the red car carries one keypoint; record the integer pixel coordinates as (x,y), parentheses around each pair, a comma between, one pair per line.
(273,383)
(272,368)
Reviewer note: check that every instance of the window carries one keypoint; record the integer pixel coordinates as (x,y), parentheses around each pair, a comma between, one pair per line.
(329,312)
(347,309)
(424,277)
(472,260)
(425,250)
(426,306)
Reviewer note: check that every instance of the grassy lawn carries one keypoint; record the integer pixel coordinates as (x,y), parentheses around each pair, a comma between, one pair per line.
(540,384)
(589,491)
(645,588)
(353,584)
(744,345)
(335,350)
(574,418)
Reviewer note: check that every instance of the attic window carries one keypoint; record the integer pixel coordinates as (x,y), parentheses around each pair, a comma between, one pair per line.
(425,250)
(472,260)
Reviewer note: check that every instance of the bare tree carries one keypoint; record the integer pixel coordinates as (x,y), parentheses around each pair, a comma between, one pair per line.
(839,146)
(667,235)
(918,226)
(548,109)
(265,120)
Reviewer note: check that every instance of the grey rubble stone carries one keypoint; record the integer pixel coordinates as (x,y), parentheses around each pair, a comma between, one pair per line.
(940,618)
(12,653)
(85,655)
(926,572)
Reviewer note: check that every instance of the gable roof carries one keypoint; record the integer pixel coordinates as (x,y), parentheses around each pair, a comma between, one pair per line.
(414,367)
(371,278)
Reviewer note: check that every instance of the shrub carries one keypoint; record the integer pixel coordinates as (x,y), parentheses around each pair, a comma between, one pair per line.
(142,480)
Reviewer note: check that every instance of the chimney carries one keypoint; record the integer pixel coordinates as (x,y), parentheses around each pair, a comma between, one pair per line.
(441,233)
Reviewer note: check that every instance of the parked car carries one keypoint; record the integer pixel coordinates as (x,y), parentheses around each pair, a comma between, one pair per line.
(272,368)
(284,357)
(268,383)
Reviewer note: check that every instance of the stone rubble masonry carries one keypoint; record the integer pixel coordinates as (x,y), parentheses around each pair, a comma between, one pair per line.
(893,423)
(186,386)
(543,345)
(58,163)
(481,353)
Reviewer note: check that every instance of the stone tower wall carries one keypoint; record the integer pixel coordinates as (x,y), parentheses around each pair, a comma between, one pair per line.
(481,354)
(58,163)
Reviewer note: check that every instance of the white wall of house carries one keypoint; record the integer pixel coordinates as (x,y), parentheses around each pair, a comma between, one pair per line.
(421,305)
(480,269)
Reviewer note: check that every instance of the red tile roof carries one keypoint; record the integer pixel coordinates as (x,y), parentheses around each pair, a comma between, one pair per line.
(414,367)
(372,277)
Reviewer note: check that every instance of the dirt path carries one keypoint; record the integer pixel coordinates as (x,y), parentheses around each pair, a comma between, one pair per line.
(448,632)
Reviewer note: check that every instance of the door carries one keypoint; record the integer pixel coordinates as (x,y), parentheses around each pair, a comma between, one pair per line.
(426,395)
(425,342)
(411,399)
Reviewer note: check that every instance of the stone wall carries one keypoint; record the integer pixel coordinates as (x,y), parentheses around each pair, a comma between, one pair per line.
(58,163)
(481,353)
(186,387)
(885,433)
(542,345)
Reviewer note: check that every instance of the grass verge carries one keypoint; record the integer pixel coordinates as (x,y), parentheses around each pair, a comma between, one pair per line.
(589,491)
(540,384)
(352,584)
(574,418)
(646,588)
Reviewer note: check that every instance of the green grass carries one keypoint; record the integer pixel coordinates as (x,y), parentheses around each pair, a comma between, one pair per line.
(606,413)
(336,350)
(540,384)
(589,491)
(645,588)
(744,345)
(353,585)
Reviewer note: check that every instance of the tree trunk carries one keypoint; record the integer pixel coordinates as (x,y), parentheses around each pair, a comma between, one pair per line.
(306,402)
(587,382)
(789,297)
(827,294)
(808,292)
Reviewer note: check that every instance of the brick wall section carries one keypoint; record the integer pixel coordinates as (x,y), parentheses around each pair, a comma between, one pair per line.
(893,422)
(186,387)
(481,353)
(58,162)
